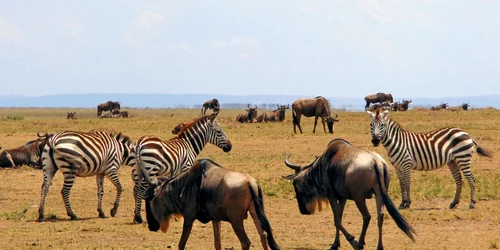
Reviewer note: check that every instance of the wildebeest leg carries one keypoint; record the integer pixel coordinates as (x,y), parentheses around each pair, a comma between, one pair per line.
(380,215)
(258,225)
(335,203)
(239,229)
(367,105)
(113,177)
(9,158)
(315,123)
(336,242)
(49,170)
(100,192)
(69,179)
(186,231)
(361,204)
(217,242)
(403,189)
(296,122)
(457,176)
(139,194)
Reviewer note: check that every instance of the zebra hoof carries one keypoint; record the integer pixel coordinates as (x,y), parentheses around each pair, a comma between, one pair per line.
(41,219)
(102,215)
(137,219)
(472,205)
(113,212)
(453,205)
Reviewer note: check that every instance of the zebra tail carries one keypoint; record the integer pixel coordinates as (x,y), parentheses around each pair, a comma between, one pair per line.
(258,202)
(482,151)
(391,208)
(143,174)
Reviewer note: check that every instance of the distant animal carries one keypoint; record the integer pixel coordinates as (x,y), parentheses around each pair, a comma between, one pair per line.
(345,172)
(210,104)
(71,115)
(277,115)
(394,106)
(384,105)
(465,106)
(83,154)
(107,115)
(27,154)
(379,97)
(157,157)
(124,113)
(178,128)
(440,106)
(426,151)
(403,106)
(317,107)
(115,111)
(107,106)
(250,115)
(208,192)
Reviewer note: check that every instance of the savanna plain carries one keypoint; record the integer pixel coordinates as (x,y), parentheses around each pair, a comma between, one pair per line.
(259,149)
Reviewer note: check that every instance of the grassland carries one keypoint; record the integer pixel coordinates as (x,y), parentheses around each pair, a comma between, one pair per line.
(259,150)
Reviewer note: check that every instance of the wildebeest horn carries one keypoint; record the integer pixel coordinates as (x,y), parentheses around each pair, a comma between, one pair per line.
(336,115)
(290,165)
(255,106)
(248,105)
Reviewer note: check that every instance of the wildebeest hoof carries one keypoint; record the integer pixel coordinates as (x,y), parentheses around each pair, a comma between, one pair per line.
(453,205)
(354,244)
(335,246)
(41,219)
(137,219)
(404,205)
(74,217)
(113,212)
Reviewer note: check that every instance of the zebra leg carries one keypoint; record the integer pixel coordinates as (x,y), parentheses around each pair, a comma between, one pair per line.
(457,176)
(100,192)
(472,183)
(113,176)
(139,194)
(69,179)
(403,188)
(406,180)
(48,173)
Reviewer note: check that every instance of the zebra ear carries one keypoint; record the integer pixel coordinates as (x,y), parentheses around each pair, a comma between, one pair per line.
(385,114)
(370,114)
(213,116)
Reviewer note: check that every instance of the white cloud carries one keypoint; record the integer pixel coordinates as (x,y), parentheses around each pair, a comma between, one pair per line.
(74,30)
(375,11)
(147,21)
(10,33)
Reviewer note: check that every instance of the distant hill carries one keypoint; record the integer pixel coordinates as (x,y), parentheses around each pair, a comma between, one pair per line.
(227,101)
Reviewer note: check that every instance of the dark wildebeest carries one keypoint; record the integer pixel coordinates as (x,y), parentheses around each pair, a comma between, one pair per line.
(71,115)
(465,106)
(250,116)
(277,115)
(28,154)
(107,106)
(403,106)
(345,172)
(115,111)
(210,104)
(124,113)
(208,192)
(440,106)
(379,97)
(394,106)
(178,128)
(317,107)
(384,106)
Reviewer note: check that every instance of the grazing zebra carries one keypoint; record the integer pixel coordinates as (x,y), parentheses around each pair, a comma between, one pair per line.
(85,154)
(424,152)
(156,157)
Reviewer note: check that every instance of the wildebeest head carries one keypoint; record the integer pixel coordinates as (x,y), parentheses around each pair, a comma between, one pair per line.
(71,115)
(378,123)
(156,194)
(307,193)
(115,111)
(252,113)
(330,122)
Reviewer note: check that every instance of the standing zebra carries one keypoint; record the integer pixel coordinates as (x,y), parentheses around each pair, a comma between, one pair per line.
(85,154)
(424,152)
(156,157)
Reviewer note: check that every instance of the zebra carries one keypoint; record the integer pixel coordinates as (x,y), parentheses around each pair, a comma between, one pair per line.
(83,154)
(157,157)
(426,151)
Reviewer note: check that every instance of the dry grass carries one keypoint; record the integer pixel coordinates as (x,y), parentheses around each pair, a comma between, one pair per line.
(259,150)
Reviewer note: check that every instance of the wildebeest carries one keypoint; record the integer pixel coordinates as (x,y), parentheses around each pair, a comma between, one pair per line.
(465,106)
(115,111)
(28,154)
(107,106)
(107,115)
(317,107)
(277,115)
(208,192)
(210,104)
(345,172)
(403,106)
(394,106)
(384,105)
(250,115)
(71,115)
(124,113)
(440,106)
(178,128)
(379,97)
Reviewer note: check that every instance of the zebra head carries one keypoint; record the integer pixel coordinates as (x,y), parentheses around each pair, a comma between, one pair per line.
(378,125)
(216,135)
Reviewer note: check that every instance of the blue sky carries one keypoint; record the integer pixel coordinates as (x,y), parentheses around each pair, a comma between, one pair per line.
(310,47)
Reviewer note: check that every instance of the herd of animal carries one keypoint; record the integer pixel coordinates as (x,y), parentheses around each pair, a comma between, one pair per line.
(386,101)
(172,181)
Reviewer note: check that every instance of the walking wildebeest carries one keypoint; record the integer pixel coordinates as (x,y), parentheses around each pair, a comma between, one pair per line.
(208,192)
(403,106)
(107,106)
(71,115)
(250,116)
(345,172)
(28,154)
(379,97)
(317,107)
(440,106)
(178,128)
(210,104)
(277,115)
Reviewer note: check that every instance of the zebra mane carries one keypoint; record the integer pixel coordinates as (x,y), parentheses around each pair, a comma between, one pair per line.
(191,124)
(122,138)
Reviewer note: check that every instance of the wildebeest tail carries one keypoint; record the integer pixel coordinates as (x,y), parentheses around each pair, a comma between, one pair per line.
(153,224)
(258,202)
(481,150)
(294,117)
(391,208)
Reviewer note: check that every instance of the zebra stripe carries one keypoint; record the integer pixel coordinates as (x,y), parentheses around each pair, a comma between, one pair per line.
(426,151)
(156,157)
(84,154)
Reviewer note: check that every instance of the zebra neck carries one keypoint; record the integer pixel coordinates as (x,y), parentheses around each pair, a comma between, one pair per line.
(197,139)
(392,135)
